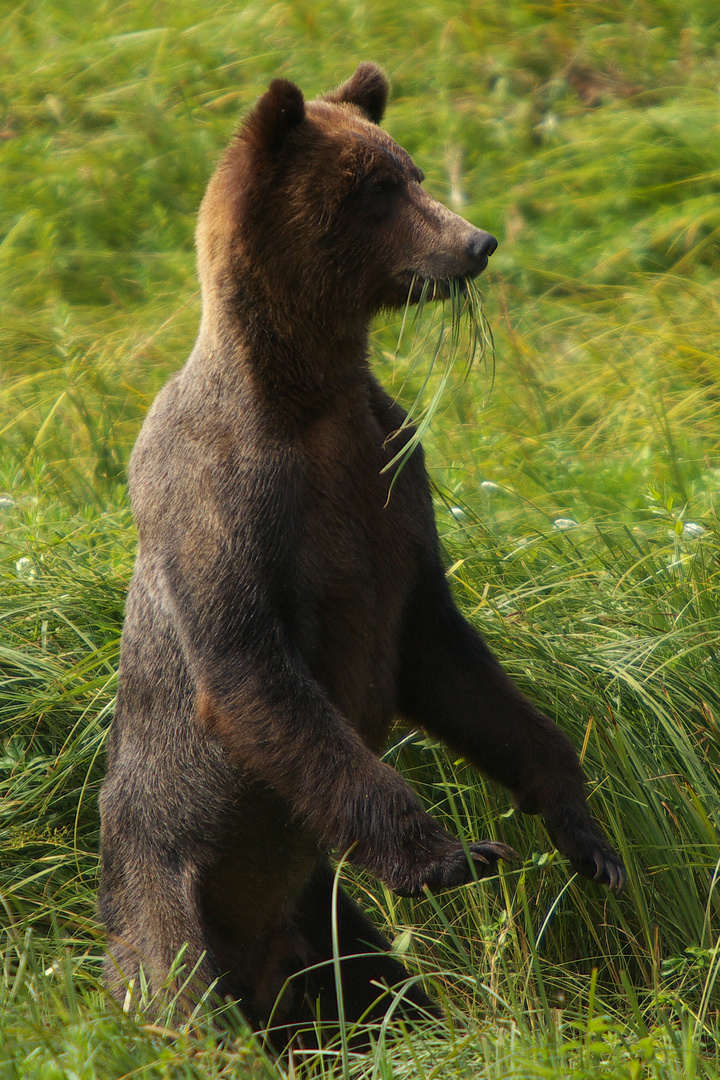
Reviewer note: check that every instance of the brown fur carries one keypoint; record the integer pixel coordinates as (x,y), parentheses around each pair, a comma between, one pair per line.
(283,611)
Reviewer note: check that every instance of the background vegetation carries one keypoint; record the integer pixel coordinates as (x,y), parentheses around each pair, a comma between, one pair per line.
(577,501)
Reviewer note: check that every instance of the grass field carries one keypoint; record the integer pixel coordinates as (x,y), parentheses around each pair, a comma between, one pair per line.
(576,495)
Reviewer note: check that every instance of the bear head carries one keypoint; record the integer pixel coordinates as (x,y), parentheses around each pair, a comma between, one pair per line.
(316,215)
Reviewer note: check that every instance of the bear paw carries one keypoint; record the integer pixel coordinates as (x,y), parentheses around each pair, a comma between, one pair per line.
(588,850)
(453,867)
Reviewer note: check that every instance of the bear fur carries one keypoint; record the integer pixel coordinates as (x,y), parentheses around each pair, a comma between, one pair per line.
(283,610)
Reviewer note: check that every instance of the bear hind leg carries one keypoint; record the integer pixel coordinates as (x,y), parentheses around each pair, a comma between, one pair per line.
(158,950)
(366,963)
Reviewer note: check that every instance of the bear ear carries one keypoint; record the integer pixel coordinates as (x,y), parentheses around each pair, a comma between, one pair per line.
(278,112)
(368,89)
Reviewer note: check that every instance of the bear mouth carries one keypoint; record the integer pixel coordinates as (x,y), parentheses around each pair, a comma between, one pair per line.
(421,288)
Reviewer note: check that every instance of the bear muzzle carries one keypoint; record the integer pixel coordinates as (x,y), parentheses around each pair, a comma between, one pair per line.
(459,263)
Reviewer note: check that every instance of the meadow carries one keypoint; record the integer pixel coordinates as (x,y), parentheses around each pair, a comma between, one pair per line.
(576,481)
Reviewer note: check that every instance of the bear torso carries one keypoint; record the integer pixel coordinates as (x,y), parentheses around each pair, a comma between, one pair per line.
(303,508)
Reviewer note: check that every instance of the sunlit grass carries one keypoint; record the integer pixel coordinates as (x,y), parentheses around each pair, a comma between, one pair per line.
(456,334)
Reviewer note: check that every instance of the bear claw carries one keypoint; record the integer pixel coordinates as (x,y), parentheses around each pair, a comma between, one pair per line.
(487,851)
(609,871)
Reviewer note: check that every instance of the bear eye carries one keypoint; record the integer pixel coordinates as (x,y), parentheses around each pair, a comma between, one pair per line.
(381,184)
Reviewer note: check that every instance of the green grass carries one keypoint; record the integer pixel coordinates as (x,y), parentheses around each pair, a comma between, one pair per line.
(576,495)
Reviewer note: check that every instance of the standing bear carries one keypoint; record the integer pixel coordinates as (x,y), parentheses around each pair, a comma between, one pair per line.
(284,610)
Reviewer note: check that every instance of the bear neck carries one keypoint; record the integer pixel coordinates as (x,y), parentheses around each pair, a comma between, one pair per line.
(299,363)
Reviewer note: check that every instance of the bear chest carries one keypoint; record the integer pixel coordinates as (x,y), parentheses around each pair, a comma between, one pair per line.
(358,555)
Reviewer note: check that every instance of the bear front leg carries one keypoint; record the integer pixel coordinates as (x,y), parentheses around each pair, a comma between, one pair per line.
(452,685)
(278,723)
(254,694)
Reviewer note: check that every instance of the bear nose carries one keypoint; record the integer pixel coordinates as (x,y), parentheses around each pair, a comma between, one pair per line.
(482,245)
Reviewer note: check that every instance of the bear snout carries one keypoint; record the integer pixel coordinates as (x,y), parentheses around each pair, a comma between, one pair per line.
(461,251)
(481,246)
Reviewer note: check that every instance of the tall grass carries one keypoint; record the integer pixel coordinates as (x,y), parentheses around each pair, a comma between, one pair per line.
(577,501)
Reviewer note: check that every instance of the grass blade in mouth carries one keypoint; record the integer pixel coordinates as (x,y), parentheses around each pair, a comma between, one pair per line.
(461,320)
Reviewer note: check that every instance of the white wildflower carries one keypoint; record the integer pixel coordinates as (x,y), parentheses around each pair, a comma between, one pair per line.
(24,569)
(565,523)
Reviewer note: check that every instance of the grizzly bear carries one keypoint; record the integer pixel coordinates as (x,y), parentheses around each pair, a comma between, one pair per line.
(286,606)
